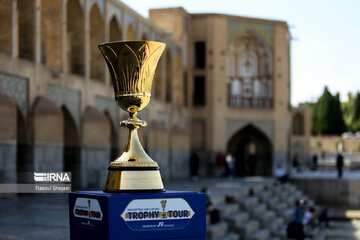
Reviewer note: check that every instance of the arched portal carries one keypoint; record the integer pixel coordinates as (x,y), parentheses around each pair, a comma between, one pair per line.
(48,135)
(7,139)
(75,37)
(51,34)
(26,14)
(130,33)
(95,140)
(115,32)
(114,151)
(253,152)
(24,159)
(72,159)
(97,36)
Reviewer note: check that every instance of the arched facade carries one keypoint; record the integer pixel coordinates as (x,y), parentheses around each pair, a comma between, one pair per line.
(5,26)
(96,142)
(97,36)
(51,32)
(130,33)
(252,150)
(75,37)
(249,72)
(48,135)
(114,139)
(26,29)
(71,151)
(115,31)
(8,139)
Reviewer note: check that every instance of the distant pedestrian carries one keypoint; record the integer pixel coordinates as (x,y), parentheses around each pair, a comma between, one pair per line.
(220,164)
(339,164)
(211,209)
(295,163)
(281,174)
(323,217)
(194,166)
(314,162)
(230,163)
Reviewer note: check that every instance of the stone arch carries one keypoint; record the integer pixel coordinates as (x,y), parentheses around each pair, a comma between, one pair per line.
(130,32)
(96,136)
(114,139)
(169,76)
(71,151)
(5,26)
(24,149)
(51,33)
(115,30)
(298,124)
(48,135)
(97,36)
(26,21)
(75,37)
(8,139)
(252,150)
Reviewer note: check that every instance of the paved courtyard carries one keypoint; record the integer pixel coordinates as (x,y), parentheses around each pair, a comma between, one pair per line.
(34,216)
(45,216)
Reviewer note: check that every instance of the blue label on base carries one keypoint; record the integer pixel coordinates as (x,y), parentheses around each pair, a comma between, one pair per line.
(157,214)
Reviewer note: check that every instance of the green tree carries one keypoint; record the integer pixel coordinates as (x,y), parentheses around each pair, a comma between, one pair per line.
(351,110)
(328,115)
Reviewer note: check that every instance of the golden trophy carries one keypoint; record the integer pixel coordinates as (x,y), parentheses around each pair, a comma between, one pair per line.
(132,67)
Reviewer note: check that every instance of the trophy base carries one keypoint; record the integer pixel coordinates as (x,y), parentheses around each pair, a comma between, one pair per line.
(134,180)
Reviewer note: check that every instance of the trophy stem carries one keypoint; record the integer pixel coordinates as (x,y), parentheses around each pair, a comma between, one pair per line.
(134,170)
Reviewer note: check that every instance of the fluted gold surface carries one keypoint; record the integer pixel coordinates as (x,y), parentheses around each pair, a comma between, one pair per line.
(132,67)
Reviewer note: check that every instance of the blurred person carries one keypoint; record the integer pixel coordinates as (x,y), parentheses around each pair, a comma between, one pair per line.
(220,164)
(339,164)
(280,174)
(211,209)
(323,155)
(251,160)
(310,217)
(295,229)
(295,163)
(323,217)
(194,166)
(314,162)
(230,161)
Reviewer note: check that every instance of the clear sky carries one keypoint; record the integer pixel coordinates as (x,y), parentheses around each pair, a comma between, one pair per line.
(326,38)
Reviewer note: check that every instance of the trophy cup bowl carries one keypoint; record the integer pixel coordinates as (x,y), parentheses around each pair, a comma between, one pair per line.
(132,66)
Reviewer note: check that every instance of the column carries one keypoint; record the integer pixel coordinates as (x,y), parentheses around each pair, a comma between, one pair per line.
(65,67)
(14,31)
